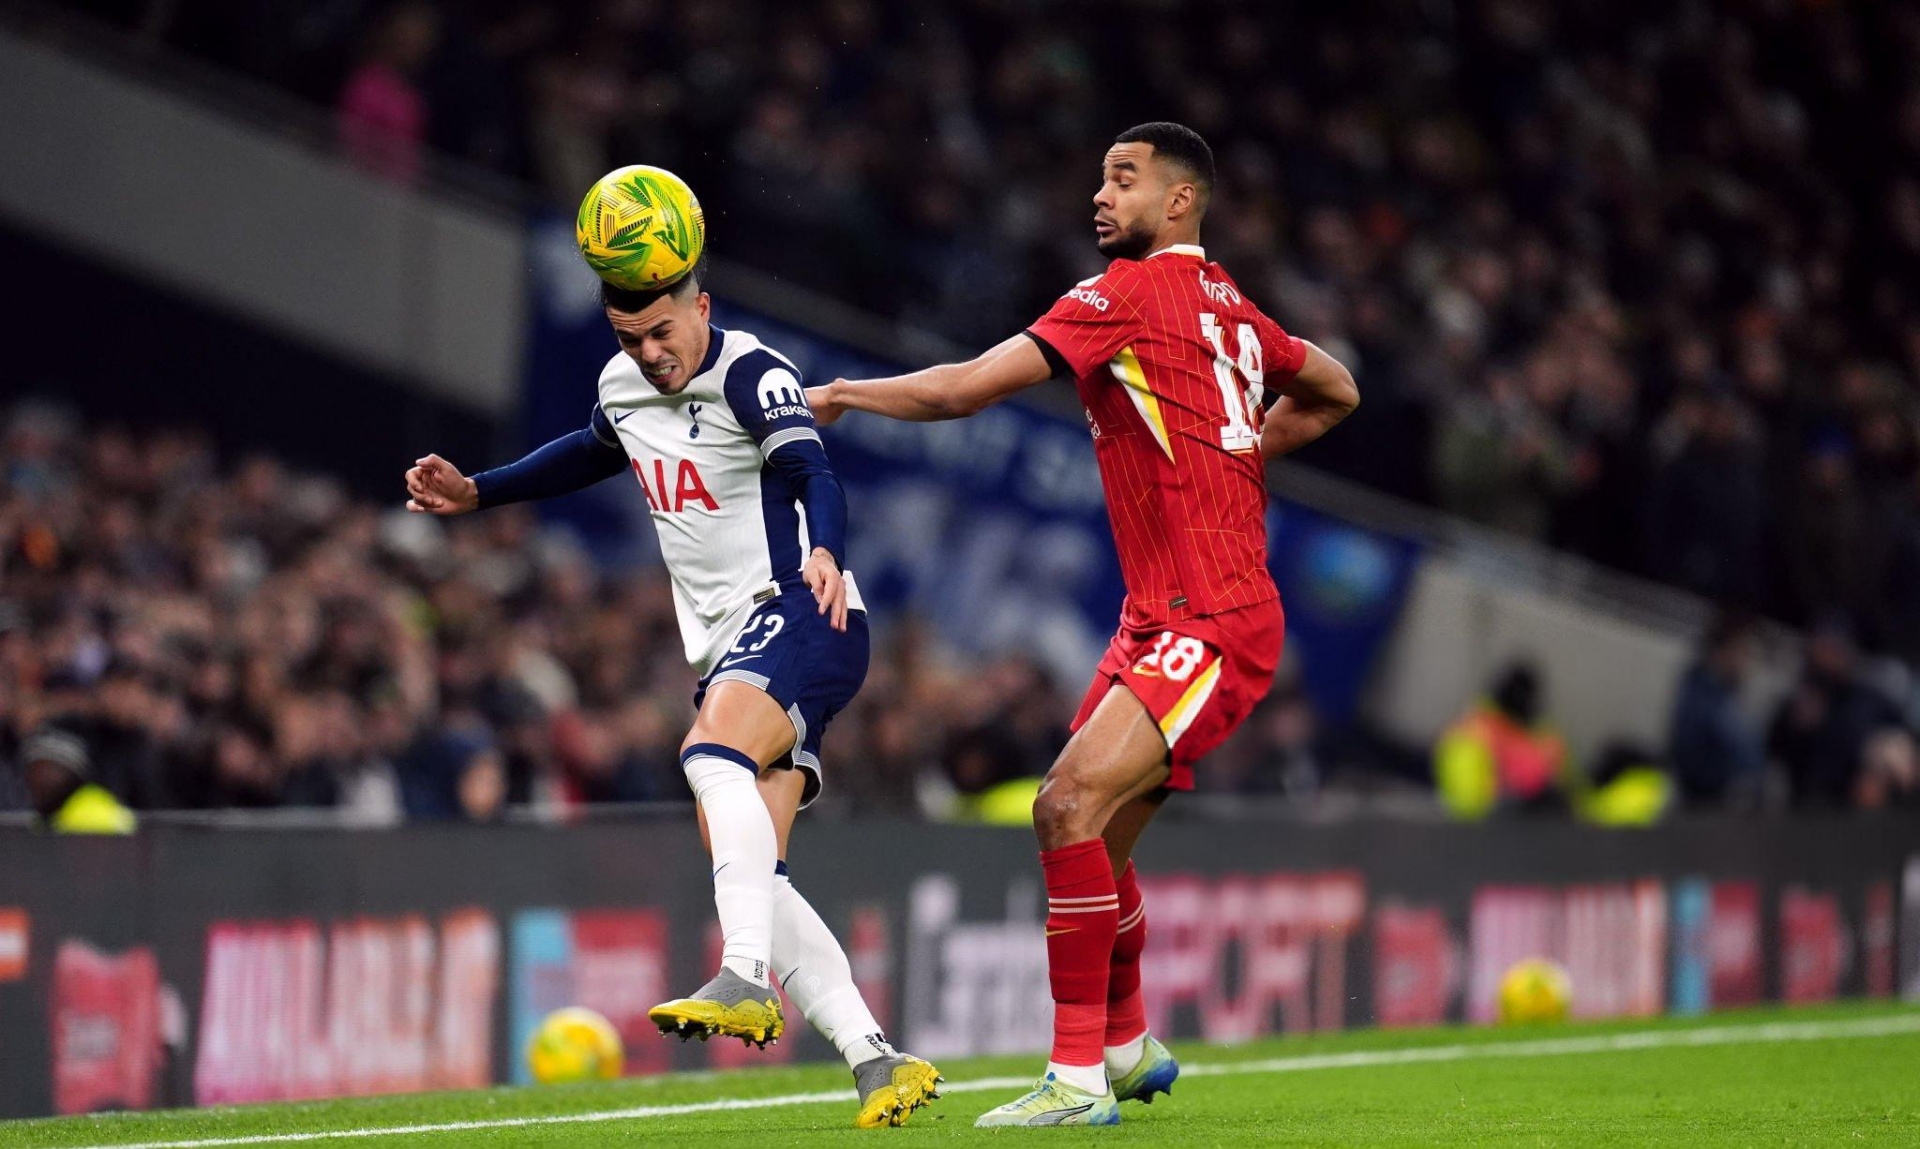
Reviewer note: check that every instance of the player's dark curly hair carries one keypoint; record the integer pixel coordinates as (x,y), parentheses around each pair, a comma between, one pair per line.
(1176,142)
(632,302)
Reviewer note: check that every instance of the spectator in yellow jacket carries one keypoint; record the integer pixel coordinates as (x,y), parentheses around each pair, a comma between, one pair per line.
(59,778)
(1501,752)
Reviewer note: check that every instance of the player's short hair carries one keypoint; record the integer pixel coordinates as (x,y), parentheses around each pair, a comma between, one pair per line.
(633,302)
(1176,142)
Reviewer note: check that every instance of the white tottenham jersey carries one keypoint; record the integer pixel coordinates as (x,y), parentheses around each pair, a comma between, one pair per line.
(731,532)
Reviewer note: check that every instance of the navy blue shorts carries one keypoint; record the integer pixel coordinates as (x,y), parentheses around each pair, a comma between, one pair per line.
(791,651)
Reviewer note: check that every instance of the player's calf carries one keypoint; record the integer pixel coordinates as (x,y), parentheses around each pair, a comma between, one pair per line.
(745,849)
(819,980)
(1126,1005)
(740,1002)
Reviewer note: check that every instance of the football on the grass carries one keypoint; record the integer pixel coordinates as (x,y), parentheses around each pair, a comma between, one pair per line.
(1535,990)
(574,1044)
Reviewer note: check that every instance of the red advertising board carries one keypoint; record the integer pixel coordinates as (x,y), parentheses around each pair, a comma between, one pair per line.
(370,1005)
(1733,945)
(1285,934)
(620,971)
(1414,965)
(1813,946)
(1612,939)
(106,1028)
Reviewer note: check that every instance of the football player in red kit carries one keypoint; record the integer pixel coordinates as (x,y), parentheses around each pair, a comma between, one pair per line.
(1189,388)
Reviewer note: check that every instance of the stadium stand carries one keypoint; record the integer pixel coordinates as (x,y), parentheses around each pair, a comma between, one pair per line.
(1624,280)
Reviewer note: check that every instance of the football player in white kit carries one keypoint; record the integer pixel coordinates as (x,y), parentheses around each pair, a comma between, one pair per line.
(752,525)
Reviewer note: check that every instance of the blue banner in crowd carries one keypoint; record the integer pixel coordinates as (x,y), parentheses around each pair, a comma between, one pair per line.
(992,528)
(1342,587)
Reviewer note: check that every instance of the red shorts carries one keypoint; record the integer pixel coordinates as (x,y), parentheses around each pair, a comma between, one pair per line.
(1199,678)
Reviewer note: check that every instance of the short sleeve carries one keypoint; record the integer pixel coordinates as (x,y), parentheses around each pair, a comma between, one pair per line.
(1091,323)
(768,398)
(1281,354)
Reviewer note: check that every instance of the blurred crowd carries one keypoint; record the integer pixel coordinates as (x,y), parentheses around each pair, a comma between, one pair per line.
(1638,279)
(178,635)
(1843,733)
(188,637)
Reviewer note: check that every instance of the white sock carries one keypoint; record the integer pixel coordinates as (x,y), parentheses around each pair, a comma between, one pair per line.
(813,969)
(744,851)
(1122,1058)
(1086,1078)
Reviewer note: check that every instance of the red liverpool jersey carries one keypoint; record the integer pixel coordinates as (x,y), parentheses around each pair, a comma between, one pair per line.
(1176,370)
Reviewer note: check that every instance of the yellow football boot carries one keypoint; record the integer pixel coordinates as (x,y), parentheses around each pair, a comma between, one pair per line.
(727,1006)
(891,1088)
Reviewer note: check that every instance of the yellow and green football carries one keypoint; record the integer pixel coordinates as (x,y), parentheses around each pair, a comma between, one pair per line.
(1535,990)
(575,1044)
(640,228)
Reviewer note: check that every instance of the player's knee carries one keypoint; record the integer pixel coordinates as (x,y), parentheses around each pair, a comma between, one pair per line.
(707,764)
(1065,811)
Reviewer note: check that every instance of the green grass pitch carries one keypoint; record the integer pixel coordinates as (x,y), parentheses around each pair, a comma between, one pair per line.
(1774,1077)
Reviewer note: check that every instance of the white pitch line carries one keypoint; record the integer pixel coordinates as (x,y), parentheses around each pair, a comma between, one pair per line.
(1547,1047)
(1560,1047)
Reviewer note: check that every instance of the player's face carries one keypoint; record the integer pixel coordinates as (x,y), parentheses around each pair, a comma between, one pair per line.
(668,339)
(1132,202)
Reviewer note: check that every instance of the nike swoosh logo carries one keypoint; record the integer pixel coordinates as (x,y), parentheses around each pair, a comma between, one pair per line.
(1068,930)
(726,662)
(619,419)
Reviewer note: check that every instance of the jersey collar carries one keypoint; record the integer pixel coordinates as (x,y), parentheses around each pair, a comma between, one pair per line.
(716,340)
(1193,249)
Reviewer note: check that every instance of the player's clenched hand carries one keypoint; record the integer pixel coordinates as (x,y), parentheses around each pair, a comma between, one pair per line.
(826,408)
(436,487)
(822,575)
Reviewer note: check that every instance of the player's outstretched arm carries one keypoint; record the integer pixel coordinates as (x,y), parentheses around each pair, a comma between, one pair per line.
(949,391)
(1322,394)
(569,463)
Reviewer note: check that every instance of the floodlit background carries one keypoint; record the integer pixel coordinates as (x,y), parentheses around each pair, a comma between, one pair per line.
(1626,532)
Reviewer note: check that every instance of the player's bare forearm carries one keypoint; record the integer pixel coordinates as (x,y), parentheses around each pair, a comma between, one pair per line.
(1321,395)
(949,391)
(920,397)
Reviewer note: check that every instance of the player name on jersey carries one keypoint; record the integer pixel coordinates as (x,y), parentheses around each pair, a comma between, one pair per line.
(1177,370)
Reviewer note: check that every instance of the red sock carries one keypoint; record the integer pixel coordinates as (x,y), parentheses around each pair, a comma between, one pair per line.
(1126,1008)
(1082,912)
